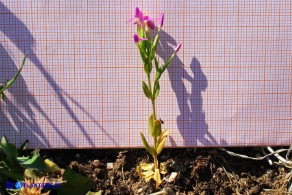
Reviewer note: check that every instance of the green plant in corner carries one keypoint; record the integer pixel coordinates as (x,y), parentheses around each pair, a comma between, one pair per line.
(13,166)
(12,80)
(151,88)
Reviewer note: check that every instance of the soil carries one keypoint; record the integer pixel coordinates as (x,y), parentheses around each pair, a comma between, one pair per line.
(200,171)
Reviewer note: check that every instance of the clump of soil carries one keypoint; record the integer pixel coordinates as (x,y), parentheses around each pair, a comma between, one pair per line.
(201,171)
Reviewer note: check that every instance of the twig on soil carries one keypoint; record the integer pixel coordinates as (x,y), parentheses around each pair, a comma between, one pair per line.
(268,158)
(286,162)
(288,152)
(252,158)
(123,176)
(280,158)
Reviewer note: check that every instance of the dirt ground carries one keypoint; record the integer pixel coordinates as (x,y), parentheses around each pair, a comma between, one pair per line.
(200,171)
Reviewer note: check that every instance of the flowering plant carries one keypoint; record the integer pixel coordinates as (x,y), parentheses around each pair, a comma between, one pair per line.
(147,50)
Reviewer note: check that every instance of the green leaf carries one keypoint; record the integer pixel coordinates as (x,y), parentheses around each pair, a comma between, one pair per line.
(161,141)
(11,81)
(146,90)
(156,128)
(10,152)
(156,89)
(22,147)
(160,70)
(4,140)
(13,165)
(153,48)
(156,64)
(15,173)
(75,184)
(147,43)
(148,148)
(29,173)
(51,166)
(142,53)
(34,161)
(148,67)
(151,124)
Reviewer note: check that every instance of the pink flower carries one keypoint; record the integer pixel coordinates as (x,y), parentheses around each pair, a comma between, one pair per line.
(142,20)
(137,38)
(160,20)
(138,13)
(177,48)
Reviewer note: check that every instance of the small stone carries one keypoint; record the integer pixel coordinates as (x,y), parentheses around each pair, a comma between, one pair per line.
(172,176)
(96,163)
(109,166)
(219,169)
(140,190)
(73,164)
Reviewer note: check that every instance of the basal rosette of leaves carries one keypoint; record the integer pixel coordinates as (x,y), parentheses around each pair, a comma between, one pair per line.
(14,166)
(147,50)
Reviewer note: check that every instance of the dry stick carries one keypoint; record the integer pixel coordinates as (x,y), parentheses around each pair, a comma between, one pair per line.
(268,158)
(288,153)
(280,158)
(253,158)
(123,176)
(284,161)
(272,152)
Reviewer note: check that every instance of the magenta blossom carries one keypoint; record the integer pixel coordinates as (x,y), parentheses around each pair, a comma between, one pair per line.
(160,20)
(137,38)
(142,20)
(177,48)
(138,13)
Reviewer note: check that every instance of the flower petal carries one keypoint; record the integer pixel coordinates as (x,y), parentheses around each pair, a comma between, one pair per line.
(138,13)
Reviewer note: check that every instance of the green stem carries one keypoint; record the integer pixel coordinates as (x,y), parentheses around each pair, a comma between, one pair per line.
(152,99)
(156,164)
(154,118)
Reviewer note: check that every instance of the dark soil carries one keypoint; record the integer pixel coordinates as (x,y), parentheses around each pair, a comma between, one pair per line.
(201,171)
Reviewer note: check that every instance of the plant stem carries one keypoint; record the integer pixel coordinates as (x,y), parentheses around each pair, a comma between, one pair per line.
(154,118)
(152,99)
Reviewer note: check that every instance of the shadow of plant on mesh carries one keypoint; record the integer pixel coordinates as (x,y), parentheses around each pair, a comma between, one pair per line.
(21,114)
(191,119)
(25,103)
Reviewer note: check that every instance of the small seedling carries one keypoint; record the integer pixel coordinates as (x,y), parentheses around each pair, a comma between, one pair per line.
(147,50)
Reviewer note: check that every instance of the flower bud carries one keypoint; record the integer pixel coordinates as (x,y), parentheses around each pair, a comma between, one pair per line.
(137,38)
(177,48)
(150,24)
(161,19)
